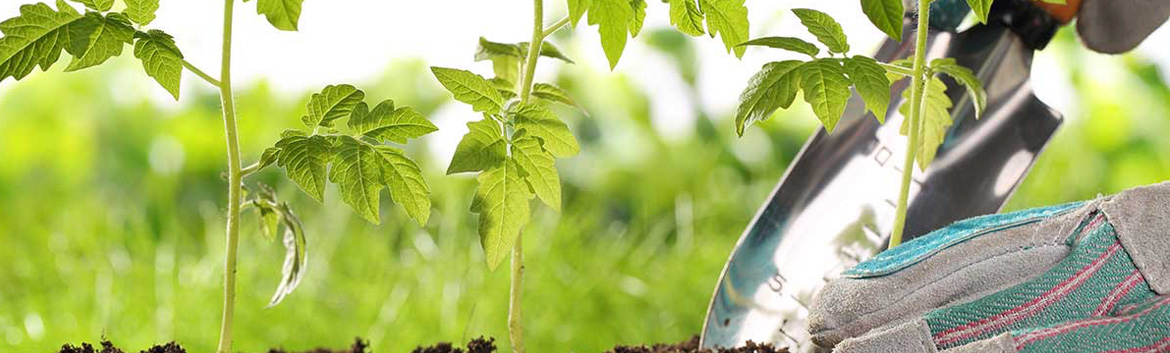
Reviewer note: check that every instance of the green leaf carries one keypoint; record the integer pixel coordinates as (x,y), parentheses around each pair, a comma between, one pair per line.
(787,43)
(825,28)
(502,204)
(686,16)
(304,160)
(161,59)
(334,102)
(965,77)
(539,168)
(639,7)
(268,157)
(577,10)
(94,39)
(612,18)
(826,89)
(553,93)
(385,123)
(543,123)
(547,50)
(886,15)
(871,83)
(282,14)
(505,87)
(404,179)
(99,5)
(488,49)
(728,18)
(357,170)
(141,11)
(981,8)
(36,37)
(482,148)
(469,88)
(269,223)
(774,87)
(295,255)
(936,118)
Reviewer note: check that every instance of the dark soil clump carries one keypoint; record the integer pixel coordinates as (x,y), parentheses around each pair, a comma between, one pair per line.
(478,345)
(108,347)
(692,346)
(358,346)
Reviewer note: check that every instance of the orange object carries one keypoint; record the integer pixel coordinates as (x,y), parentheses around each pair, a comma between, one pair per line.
(1063,13)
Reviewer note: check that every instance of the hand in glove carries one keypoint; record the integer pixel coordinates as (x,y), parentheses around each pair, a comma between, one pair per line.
(1090,276)
(1112,26)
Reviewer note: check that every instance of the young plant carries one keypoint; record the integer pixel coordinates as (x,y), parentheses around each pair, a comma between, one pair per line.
(361,162)
(826,81)
(515,146)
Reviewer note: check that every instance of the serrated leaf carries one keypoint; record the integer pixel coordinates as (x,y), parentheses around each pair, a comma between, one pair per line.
(282,14)
(543,123)
(469,88)
(488,49)
(539,168)
(981,8)
(936,119)
(612,18)
(639,7)
(502,204)
(296,257)
(825,28)
(871,83)
(728,18)
(36,37)
(334,102)
(825,88)
(553,93)
(686,16)
(141,11)
(96,38)
(774,87)
(482,148)
(577,10)
(886,15)
(547,49)
(787,43)
(161,59)
(965,77)
(99,5)
(304,159)
(387,123)
(357,171)
(404,179)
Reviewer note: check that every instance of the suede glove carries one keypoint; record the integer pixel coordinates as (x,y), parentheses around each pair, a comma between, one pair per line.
(1090,276)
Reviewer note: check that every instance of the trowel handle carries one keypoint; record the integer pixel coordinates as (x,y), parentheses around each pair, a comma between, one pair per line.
(947,15)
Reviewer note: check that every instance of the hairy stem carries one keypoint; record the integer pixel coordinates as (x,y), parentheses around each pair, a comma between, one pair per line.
(918,87)
(254,167)
(897,69)
(234,180)
(533,50)
(200,73)
(515,326)
(555,27)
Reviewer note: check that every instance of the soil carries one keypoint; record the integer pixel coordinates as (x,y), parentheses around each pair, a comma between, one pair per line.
(478,345)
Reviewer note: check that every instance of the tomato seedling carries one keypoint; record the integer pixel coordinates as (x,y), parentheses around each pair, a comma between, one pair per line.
(357,158)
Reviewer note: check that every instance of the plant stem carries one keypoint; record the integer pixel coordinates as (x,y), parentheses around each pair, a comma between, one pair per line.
(918,86)
(515,326)
(200,73)
(533,50)
(555,26)
(897,69)
(234,180)
(255,167)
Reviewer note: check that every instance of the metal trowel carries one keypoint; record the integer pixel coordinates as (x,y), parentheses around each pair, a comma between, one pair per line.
(835,205)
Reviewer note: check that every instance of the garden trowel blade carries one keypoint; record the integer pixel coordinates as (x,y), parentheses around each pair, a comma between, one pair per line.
(835,205)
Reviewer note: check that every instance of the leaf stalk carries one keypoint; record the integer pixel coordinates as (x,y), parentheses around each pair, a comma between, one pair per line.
(917,95)
(200,73)
(555,27)
(235,177)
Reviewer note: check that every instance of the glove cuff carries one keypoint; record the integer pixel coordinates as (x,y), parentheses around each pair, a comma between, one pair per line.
(1141,217)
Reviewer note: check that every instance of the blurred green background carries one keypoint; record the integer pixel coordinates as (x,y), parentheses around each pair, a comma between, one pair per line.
(111,213)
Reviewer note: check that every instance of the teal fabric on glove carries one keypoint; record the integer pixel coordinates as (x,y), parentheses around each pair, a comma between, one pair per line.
(1080,277)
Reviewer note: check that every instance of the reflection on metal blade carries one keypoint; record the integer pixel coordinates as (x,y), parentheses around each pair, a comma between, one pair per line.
(835,205)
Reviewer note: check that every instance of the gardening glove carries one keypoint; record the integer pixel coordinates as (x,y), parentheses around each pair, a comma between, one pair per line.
(1112,26)
(1090,276)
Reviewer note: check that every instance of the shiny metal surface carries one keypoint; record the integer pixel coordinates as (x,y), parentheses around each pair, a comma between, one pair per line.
(835,205)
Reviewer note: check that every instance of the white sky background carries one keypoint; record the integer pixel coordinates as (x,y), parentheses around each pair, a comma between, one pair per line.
(353,40)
